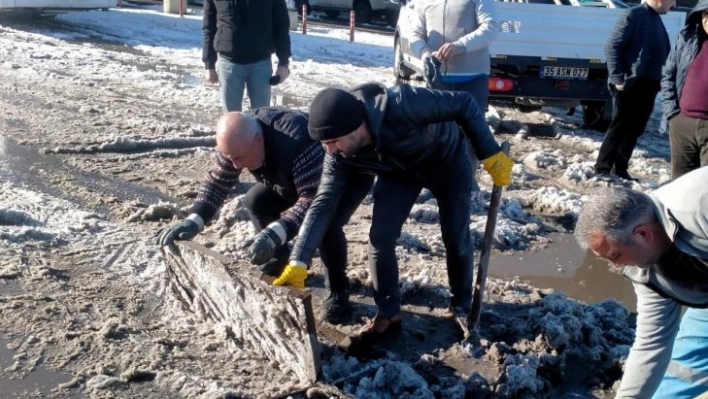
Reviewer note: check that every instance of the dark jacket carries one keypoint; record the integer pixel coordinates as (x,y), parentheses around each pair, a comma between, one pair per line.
(416,132)
(292,167)
(245,31)
(637,47)
(683,53)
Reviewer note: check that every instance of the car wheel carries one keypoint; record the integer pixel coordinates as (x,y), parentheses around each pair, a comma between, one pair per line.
(398,72)
(362,11)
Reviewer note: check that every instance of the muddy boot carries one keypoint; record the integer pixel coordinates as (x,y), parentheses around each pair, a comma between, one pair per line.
(374,331)
(336,308)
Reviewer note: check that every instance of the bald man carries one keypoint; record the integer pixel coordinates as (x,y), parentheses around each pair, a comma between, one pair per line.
(273,144)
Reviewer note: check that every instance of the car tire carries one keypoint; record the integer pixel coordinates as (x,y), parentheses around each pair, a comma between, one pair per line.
(362,11)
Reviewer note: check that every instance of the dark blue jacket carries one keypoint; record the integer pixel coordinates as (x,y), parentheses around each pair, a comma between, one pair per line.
(637,47)
(683,53)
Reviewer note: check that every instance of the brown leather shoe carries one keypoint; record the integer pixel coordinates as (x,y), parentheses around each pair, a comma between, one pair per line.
(380,327)
(361,343)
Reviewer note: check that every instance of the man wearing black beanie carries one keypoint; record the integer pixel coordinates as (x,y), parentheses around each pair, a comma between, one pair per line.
(410,138)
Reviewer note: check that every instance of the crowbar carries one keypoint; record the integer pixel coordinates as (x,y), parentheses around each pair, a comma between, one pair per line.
(470,327)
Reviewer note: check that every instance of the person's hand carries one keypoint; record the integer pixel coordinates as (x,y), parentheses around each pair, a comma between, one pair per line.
(211,76)
(619,87)
(182,230)
(283,72)
(264,245)
(294,274)
(431,71)
(449,50)
(499,167)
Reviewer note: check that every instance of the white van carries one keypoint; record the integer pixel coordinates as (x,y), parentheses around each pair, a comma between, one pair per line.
(545,54)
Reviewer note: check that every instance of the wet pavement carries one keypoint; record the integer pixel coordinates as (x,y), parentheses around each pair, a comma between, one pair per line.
(37,384)
(27,167)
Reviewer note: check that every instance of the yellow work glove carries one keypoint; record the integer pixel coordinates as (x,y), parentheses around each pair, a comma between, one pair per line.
(294,274)
(499,167)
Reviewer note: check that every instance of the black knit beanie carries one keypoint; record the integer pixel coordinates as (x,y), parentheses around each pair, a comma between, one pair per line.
(334,113)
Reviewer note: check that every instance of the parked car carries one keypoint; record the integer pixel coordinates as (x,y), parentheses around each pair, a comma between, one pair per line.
(600,3)
(364,10)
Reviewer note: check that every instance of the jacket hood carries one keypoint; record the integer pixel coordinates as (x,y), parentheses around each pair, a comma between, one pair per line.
(694,17)
(374,96)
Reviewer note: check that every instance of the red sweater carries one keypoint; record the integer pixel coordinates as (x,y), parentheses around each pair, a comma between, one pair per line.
(693,101)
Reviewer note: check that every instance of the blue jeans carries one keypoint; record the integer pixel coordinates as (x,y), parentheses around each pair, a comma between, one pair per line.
(233,78)
(687,374)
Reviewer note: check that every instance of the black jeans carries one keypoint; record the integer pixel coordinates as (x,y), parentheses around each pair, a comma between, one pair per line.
(479,89)
(265,206)
(393,199)
(631,109)
(689,144)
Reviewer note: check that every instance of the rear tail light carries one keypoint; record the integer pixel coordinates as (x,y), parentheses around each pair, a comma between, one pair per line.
(499,84)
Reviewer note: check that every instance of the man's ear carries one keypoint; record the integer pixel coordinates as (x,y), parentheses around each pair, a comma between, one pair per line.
(644,231)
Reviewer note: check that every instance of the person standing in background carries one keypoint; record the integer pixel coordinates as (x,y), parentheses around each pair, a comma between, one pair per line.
(636,51)
(457,33)
(239,38)
(684,93)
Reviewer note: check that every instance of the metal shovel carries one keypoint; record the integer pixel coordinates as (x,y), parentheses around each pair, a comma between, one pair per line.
(470,326)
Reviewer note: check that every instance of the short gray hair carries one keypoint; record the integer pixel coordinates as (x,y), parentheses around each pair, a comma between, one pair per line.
(615,213)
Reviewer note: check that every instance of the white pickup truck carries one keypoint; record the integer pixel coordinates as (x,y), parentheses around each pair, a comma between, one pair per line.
(52,7)
(544,55)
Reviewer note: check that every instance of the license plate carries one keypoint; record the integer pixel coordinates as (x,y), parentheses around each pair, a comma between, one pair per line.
(564,72)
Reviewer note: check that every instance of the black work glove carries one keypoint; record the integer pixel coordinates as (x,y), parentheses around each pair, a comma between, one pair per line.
(183,230)
(264,245)
(431,71)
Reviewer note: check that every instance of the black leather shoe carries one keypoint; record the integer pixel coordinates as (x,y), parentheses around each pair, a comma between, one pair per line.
(626,176)
(603,176)
(336,308)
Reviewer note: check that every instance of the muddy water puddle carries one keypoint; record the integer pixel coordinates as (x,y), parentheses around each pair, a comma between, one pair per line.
(564,266)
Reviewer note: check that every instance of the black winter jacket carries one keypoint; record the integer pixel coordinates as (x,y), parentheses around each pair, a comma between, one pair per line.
(245,31)
(637,47)
(683,53)
(416,133)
